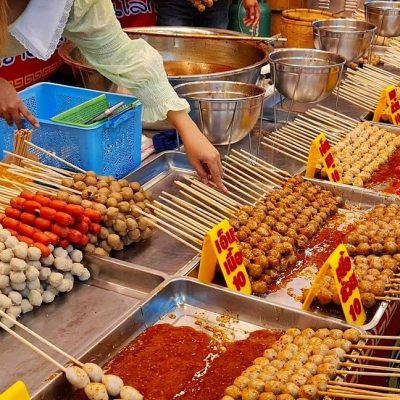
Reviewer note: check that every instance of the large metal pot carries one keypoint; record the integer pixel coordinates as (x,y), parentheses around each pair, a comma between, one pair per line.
(385,15)
(224,111)
(348,37)
(306,75)
(186,59)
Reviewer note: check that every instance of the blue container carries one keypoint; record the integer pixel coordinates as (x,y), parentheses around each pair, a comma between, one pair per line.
(110,148)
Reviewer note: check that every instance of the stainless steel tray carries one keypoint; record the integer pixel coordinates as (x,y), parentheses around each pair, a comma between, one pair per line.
(76,321)
(389,127)
(190,301)
(161,252)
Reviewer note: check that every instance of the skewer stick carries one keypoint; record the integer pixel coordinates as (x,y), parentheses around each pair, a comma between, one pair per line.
(349,390)
(48,153)
(386,298)
(261,161)
(205,198)
(211,218)
(42,339)
(362,373)
(381,337)
(364,386)
(283,152)
(235,187)
(179,239)
(348,395)
(276,145)
(238,182)
(367,366)
(151,217)
(368,347)
(294,144)
(201,203)
(32,347)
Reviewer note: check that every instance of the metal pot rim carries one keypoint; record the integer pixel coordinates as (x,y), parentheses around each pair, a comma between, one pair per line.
(261,89)
(337,60)
(383,6)
(371,27)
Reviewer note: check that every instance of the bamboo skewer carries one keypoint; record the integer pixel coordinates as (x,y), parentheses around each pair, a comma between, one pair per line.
(230,185)
(293,144)
(283,152)
(349,390)
(349,395)
(48,153)
(43,340)
(368,347)
(372,367)
(206,206)
(381,337)
(370,358)
(386,298)
(32,347)
(273,144)
(241,184)
(363,373)
(364,386)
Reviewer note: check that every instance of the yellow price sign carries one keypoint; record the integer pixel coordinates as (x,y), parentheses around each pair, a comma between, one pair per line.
(18,391)
(320,149)
(346,283)
(390,101)
(221,246)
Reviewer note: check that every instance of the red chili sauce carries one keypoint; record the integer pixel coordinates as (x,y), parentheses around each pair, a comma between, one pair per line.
(167,362)
(387,177)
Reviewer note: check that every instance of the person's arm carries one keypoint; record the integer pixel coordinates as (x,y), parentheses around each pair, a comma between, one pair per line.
(12,108)
(138,67)
(252,12)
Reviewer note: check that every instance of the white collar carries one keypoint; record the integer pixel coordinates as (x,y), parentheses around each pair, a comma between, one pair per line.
(40,27)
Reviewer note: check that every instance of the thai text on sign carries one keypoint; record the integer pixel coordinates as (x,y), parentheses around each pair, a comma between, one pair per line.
(346,283)
(221,246)
(388,101)
(320,149)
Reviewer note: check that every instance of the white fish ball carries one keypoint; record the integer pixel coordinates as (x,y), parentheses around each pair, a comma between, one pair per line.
(8,322)
(63,264)
(26,306)
(4,235)
(48,297)
(4,268)
(6,255)
(11,242)
(52,289)
(130,393)
(19,287)
(65,286)
(36,264)
(34,254)
(77,269)
(15,297)
(32,273)
(69,276)
(4,281)
(51,248)
(85,275)
(76,256)
(7,290)
(96,391)
(14,311)
(35,298)
(44,273)
(34,285)
(18,265)
(25,293)
(48,261)
(69,248)
(77,377)
(60,252)
(17,277)
(94,371)
(20,251)
(55,279)
(113,384)
(2,246)
(5,302)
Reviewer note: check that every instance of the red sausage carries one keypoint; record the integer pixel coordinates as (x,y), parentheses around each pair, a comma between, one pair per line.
(27,195)
(43,248)
(43,200)
(31,206)
(58,205)
(48,213)
(26,230)
(12,213)
(43,224)
(64,219)
(10,223)
(41,237)
(28,219)
(25,239)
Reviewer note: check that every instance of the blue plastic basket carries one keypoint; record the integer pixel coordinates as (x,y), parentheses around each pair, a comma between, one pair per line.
(111,148)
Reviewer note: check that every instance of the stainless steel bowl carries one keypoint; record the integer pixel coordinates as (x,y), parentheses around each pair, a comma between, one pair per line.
(224,111)
(305,75)
(385,15)
(185,59)
(349,38)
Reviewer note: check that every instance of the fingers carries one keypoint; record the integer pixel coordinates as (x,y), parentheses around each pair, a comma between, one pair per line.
(201,171)
(16,117)
(252,16)
(28,115)
(8,117)
(216,171)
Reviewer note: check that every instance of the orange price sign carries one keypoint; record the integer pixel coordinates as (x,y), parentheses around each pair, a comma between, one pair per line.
(320,149)
(346,284)
(390,100)
(221,246)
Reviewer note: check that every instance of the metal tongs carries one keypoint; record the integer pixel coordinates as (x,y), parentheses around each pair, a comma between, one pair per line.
(107,113)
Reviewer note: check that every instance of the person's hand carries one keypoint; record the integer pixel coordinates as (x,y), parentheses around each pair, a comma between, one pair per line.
(252,12)
(203,156)
(12,108)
